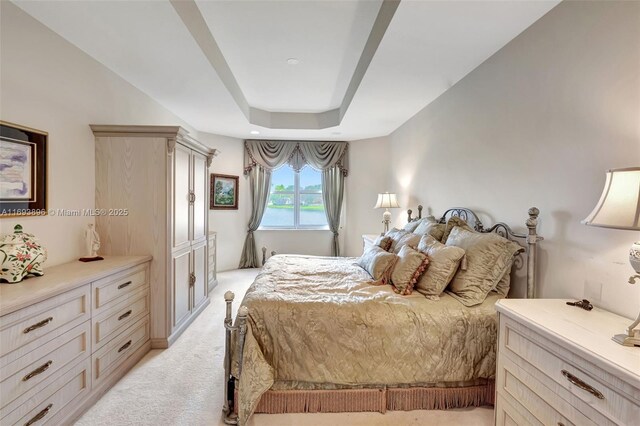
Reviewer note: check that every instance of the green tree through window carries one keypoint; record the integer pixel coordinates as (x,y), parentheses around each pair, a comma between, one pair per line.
(295,200)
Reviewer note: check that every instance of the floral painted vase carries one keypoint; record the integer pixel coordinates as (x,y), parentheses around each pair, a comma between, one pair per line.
(21,255)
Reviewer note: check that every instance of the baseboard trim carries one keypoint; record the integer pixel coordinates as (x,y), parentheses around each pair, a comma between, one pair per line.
(107,383)
(213,284)
(159,343)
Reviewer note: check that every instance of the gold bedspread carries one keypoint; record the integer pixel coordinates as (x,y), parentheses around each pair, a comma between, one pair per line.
(318,320)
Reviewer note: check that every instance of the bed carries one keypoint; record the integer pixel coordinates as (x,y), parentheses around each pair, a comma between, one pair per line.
(314,335)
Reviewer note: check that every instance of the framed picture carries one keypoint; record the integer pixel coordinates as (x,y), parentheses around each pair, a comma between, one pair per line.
(23,171)
(224,192)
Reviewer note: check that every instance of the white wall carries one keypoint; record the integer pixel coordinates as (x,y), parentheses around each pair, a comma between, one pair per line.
(230,225)
(368,176)
(537,125)
(48,84)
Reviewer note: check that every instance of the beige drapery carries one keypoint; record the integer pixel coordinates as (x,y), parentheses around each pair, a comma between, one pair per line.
(261,157)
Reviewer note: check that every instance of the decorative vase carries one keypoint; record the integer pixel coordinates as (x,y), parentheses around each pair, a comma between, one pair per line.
(634,256)
(21,254)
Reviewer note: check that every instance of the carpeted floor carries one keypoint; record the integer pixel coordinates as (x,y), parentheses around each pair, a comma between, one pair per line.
(182,385)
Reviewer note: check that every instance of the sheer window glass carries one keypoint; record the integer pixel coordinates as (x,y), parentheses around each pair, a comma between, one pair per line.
(295,200)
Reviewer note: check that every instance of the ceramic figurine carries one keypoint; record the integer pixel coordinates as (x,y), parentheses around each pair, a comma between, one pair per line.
(21,254)
(92,244)
(92,240)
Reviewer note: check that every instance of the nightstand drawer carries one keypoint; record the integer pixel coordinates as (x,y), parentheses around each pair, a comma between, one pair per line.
(586,387)
(543,401)
(510,413)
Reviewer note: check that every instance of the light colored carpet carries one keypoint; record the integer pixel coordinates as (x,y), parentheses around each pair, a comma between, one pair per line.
(182,385)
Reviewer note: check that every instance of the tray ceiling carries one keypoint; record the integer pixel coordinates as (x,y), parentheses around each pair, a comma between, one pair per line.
(290,69)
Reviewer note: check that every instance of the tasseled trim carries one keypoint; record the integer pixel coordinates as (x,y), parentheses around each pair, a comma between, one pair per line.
(380,400)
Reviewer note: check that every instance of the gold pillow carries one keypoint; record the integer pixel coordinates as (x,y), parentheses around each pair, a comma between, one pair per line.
(411,226)
(452,223)
(400,238)
(383,242)
(487,258)
(378,263)
(406,272)
(503,286)
(443,264)
(430,226)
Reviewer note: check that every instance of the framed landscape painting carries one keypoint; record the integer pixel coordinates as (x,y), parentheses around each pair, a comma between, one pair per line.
(23,171)
(224,192)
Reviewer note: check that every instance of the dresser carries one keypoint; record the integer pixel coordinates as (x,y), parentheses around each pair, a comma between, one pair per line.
(557,365)
(156,181)
(68,336)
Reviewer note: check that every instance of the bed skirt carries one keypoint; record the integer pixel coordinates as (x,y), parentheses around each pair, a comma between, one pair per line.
(380,400)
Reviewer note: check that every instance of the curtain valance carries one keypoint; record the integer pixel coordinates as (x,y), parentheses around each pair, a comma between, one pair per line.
(273,154)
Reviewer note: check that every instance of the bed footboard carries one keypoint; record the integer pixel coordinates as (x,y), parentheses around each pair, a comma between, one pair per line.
(228,409)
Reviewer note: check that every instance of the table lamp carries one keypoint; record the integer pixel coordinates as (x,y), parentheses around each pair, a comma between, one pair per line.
(619,208)
(386,201)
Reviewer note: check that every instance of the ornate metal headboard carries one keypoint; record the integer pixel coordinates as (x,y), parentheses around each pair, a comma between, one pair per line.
(527,241)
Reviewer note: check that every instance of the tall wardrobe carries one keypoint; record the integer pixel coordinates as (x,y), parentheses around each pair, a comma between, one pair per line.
(152,197)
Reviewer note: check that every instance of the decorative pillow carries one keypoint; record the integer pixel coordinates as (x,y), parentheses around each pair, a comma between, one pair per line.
(408,239)
(443,264)
(401,238)
(383,242)
(430,226)
(503,286)
(378,263)
(487,257)
(410,266)
(411,226)
(452,223)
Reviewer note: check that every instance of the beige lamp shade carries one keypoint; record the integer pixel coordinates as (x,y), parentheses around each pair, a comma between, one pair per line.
(386,201)
(619,205)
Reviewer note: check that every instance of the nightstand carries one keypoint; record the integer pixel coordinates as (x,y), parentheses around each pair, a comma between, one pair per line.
(557,365)
(368,240)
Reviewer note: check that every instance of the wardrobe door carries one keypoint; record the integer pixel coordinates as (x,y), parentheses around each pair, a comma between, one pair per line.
(181,286)
(181,196)
(200,208)
(199,254)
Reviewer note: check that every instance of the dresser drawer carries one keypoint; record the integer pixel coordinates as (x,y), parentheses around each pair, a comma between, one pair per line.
(541,402)
(119,316)
(510,413)
(118,286)
(114,353)
(26,325)
(40,407)
(586,387)
(34,367)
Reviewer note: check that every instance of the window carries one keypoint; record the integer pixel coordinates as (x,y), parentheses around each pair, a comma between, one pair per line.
(295,200)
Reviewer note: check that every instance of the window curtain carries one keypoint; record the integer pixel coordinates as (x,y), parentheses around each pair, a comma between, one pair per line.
(261,157)
(259,183)
(332,195)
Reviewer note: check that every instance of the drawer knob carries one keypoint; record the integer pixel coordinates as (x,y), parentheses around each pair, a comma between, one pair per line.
(39,370)
(125,346)
(39,416)
(123,316)
(123,285)
(582,385)
(38,325)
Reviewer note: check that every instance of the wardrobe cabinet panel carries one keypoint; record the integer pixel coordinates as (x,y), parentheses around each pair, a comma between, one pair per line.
(161,174)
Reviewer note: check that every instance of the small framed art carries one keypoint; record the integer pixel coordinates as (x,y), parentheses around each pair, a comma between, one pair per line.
(23,171)
(224,192)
